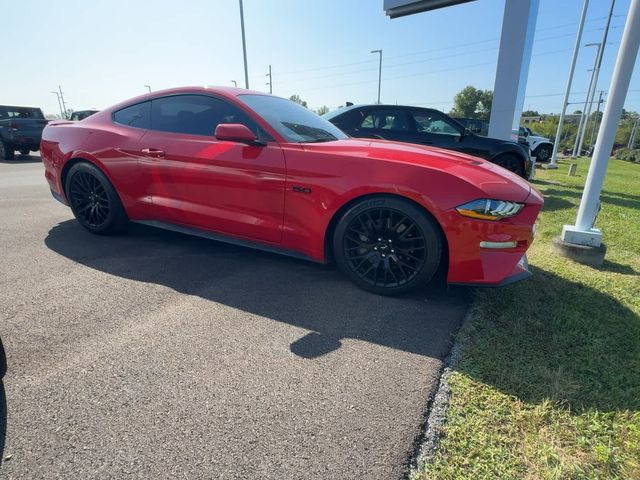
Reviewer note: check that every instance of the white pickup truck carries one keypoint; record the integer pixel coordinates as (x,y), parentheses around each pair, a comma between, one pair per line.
(541,147)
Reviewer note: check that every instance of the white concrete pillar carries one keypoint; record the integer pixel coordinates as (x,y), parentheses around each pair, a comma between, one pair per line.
(516,42)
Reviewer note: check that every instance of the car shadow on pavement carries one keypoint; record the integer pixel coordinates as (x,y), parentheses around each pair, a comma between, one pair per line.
(300,293)
(569,343)
(22,159)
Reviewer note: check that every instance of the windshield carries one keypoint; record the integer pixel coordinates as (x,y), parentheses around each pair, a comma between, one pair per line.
(294,122)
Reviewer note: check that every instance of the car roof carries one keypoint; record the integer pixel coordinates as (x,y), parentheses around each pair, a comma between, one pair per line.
(228,92)
(340,111)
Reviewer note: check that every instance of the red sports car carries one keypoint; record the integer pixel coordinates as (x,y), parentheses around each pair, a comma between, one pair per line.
(257,170)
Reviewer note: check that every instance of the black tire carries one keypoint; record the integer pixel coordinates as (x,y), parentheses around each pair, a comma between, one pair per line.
(511,162)
(543,153)
(6,151)
(93,200)
(387,245)
(25,151)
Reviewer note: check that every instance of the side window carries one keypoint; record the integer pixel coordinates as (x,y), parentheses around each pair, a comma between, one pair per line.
(392,120)
(138,115)
(427,122)
(196,115)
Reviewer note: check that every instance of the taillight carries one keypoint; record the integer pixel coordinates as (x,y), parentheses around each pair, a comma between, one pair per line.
(13,126)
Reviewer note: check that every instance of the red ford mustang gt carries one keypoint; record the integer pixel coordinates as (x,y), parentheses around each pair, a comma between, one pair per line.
(257,170)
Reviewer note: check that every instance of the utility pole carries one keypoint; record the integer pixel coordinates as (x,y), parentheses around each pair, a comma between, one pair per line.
(244,48)
(64,106)
(149,87)
(379,72)
(59,104)
(553,164)
(583,115)
(596,120)
(596,73)
(270,83)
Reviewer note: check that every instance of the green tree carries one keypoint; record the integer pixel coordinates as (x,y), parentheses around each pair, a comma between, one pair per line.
(471,102)
(322,110)
(296,98)
(530,113)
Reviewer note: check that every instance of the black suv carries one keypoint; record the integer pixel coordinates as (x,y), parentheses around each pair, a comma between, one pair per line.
(426,126)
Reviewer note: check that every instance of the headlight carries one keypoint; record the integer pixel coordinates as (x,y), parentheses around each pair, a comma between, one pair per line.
(487,209)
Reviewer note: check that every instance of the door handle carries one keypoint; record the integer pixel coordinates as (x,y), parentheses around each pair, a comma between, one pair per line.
(153,152)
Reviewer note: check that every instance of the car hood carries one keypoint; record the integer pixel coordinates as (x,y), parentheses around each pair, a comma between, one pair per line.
(490,178)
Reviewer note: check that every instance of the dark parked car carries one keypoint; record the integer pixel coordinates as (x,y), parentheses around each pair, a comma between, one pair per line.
(20,129)
(82,114)
(426,126)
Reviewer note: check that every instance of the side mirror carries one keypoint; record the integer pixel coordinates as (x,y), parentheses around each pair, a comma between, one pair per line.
(236,132)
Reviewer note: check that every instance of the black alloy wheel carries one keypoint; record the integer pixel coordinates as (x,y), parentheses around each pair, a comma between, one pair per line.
(93,200)
(89,199)
(387,245)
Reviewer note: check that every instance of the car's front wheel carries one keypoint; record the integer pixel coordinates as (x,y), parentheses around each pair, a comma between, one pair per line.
(544,153)
(387,245)
(93,200)
(25,151)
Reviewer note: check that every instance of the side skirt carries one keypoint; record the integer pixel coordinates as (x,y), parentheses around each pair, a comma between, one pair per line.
(218,237)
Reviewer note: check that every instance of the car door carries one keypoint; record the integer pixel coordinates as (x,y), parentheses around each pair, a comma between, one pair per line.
(196,180)
(387,123)
(434,128)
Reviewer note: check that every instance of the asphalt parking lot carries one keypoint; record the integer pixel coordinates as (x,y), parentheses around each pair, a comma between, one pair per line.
(158,355)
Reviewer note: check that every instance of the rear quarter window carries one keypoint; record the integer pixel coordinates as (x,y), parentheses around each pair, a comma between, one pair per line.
(138,116)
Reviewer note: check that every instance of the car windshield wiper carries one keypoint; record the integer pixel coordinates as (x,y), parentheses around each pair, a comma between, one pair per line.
(309,133)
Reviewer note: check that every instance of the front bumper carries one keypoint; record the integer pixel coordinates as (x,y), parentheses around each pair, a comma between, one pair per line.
(491,253)
(520,272)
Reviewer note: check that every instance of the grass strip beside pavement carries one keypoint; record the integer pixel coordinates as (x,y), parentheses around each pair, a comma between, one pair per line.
(548,384)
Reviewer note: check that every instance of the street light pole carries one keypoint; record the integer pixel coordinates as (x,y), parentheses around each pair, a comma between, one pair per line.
(595,120)
(59,104)
(553,164)
(596,73)
(582,122)
(149,87)
(379,72)
(235,84)
(244,48)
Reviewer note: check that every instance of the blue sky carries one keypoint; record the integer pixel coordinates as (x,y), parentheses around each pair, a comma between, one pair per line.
(102,52)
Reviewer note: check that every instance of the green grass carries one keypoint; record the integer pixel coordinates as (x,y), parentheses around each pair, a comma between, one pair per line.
(548,384)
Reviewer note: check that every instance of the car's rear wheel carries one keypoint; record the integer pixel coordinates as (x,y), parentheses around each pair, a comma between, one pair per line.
(544,153)
(387,245)
(511,162)
(6,151)
(94,201)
